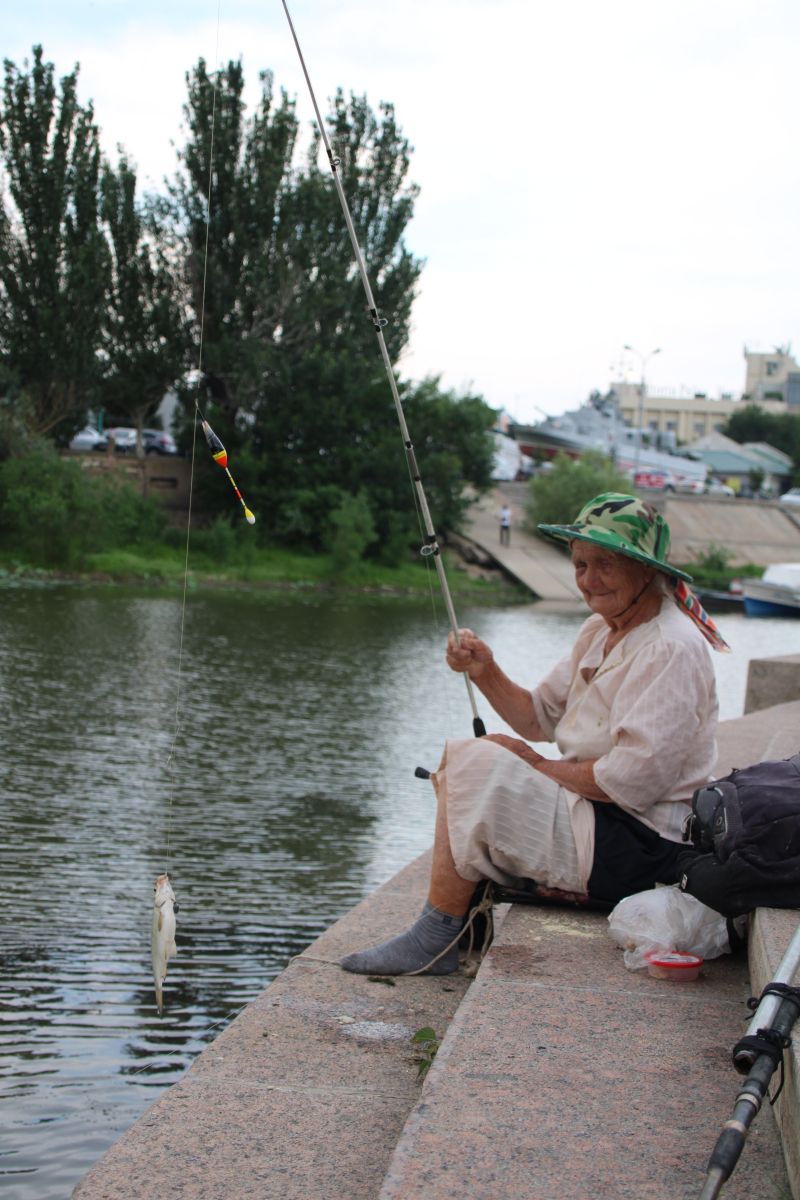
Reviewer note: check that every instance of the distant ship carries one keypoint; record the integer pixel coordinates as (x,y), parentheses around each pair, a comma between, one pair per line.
(776,594)
(597,425)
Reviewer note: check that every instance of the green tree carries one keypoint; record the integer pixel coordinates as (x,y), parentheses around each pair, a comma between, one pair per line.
(557,497)
(453,448)
(781,430)
(293,380)
(53,255)
(145,340)
(226,206)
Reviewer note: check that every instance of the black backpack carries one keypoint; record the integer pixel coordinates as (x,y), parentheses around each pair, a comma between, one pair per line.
(745,833)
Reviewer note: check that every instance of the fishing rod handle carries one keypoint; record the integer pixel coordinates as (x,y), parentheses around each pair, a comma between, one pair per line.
(787,968)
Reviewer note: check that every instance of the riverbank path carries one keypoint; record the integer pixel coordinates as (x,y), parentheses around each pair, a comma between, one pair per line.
(537,564)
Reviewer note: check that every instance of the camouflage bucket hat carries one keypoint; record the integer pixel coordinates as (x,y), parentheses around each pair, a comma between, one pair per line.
(624,524)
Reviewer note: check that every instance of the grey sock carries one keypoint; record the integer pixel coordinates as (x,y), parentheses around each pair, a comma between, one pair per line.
(427,937)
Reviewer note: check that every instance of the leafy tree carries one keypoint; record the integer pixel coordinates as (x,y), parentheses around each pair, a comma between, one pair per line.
(227,206)
(453,450)
(53,255)
(293,380)
(781,430)
(145,340)
(755,479)
(557,497)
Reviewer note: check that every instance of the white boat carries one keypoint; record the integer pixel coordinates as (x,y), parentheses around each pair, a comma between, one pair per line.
(775,594)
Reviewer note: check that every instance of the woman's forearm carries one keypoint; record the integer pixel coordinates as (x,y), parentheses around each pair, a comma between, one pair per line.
(576,777)
(511,702)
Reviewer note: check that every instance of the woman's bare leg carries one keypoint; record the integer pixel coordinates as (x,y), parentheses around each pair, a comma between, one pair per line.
(431,944)
(448,891)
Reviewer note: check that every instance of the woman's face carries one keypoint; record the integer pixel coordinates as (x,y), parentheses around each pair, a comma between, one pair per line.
(608,582)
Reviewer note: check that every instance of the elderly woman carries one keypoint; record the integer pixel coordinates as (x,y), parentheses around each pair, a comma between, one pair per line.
(633,712)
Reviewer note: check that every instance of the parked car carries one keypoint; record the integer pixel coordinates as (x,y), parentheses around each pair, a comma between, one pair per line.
(715,487)
(89,438)
(156,441)
(656,480)
(124,439)
(790,497)
(690,487)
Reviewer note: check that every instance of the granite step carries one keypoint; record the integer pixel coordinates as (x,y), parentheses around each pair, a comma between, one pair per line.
(564,1075)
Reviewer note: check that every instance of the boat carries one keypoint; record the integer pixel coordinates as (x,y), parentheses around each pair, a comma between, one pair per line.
(775,594)
(598,425)
(718,601)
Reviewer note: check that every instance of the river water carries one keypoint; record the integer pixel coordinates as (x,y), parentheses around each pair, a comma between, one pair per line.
(262,750)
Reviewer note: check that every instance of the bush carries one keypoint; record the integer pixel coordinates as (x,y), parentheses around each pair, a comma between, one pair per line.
(219,541)
(47,511)
(351,531)
(305,515)
(125,517)
(52,514)
(557,497)
(712,569)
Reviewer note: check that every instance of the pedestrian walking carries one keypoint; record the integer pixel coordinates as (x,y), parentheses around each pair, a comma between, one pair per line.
(505,525)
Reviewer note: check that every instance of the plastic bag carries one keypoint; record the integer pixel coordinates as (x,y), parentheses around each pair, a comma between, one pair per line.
(664,918)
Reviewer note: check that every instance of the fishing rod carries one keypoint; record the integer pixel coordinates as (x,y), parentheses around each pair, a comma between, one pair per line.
(431,546)
(757,1055)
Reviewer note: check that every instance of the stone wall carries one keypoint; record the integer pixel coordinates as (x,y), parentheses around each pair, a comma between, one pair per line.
(773,680)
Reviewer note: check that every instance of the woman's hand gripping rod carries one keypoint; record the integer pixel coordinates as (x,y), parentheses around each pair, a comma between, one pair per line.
(431,546)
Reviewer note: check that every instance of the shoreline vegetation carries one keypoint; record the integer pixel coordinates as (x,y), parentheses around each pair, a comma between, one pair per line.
(269,569)
(59,524)
(278,570)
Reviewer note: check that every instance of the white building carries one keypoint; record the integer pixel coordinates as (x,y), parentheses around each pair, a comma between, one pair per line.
(772,381)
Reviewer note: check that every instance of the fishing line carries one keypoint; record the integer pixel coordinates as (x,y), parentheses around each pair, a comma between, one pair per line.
(231,1016)
(430,547)
(163,927)
(178,696)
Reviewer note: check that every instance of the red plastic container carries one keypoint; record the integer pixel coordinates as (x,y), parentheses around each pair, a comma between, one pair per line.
(669,964)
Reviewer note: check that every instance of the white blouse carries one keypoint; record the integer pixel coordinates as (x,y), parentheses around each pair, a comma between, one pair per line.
(647,713)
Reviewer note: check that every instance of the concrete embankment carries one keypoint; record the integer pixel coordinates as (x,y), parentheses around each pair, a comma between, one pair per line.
(539,565)
(752,531)
(561,1075)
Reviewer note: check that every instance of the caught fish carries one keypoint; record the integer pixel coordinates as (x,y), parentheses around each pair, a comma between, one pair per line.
(163,943)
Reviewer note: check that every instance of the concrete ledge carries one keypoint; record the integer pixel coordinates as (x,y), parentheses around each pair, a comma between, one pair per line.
(771,931)
(565,1075)
(771,733)
(772,681)
(305,1094)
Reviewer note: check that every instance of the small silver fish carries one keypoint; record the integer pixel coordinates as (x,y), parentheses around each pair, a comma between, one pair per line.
(163,942)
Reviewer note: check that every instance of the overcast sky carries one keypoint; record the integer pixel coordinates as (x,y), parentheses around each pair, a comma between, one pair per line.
(591,174)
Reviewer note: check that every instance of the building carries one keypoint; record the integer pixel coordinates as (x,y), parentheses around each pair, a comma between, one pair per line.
(772,377)
(737,464)
(772,381)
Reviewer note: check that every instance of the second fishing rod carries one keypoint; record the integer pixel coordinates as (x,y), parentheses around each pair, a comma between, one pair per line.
(431,546)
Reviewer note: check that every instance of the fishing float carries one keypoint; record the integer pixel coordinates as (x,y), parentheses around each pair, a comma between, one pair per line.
(220,456)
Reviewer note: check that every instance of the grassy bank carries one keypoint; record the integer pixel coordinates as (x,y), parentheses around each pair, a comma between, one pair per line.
(165,567)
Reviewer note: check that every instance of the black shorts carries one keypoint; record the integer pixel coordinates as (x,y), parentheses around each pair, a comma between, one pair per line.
(629,857)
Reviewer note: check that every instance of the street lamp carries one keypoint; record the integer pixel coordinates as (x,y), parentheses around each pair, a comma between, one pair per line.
(643,361)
